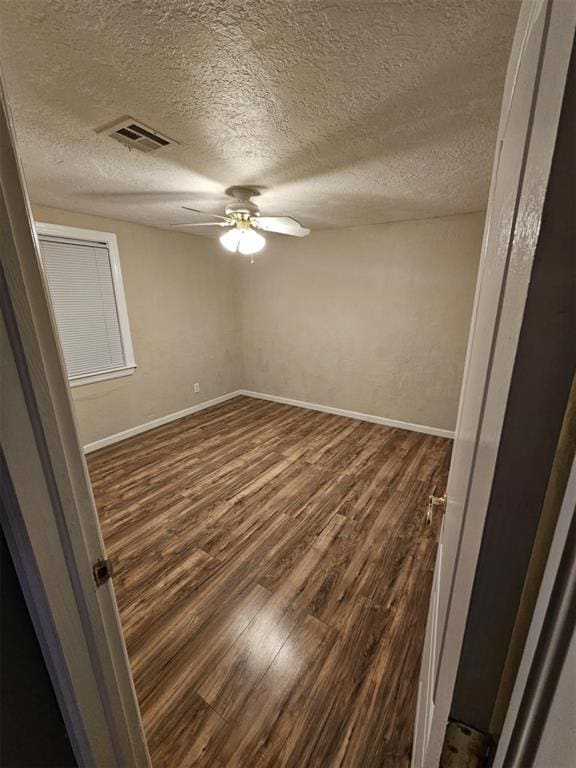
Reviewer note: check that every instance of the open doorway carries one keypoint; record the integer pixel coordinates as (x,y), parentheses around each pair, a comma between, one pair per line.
(263,438)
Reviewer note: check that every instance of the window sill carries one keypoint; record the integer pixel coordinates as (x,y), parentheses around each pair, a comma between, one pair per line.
(115,374)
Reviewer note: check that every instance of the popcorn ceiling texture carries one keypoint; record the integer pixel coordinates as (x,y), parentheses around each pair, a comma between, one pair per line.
(345,112)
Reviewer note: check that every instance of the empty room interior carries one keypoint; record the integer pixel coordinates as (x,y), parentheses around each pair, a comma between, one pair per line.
(259,228)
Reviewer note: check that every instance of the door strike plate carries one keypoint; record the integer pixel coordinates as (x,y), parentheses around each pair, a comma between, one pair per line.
(102,571)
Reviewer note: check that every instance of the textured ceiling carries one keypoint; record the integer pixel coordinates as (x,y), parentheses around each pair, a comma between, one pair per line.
(344,112)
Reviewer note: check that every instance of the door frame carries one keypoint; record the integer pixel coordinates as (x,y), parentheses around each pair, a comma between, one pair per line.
(78,623)
(52,531)
(546,647)
(510,242)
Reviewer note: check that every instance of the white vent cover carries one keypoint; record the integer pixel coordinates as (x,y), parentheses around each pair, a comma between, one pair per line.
(133,133)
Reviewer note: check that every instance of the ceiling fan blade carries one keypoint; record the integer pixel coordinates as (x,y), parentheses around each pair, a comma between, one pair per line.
(283,225)
(205,224)
(204,213)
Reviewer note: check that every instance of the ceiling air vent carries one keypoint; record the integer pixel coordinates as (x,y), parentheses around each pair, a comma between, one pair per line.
(131,133)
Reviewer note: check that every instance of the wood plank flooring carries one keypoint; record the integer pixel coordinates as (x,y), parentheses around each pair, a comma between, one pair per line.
(272,570)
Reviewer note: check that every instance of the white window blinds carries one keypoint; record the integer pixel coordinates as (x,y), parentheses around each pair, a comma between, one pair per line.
(81,285)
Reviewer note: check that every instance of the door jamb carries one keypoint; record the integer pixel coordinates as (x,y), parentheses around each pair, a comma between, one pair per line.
(53,532)
(554,61)
(545,648)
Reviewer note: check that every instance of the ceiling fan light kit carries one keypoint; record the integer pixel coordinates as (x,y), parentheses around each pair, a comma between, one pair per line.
(243,239)
(242,219)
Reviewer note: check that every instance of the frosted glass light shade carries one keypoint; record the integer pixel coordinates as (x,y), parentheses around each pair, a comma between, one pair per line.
(230,239)
(246,241)
(250,242)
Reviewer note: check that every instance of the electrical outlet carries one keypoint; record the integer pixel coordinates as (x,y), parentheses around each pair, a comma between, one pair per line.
(196,387)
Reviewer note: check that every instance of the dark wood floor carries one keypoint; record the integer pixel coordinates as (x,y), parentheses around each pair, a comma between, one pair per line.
(272,568)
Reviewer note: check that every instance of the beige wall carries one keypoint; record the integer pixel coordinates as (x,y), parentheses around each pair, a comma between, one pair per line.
(181,305)
(372,319)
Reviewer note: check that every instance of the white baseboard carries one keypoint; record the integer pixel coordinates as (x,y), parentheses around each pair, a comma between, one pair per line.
(157,422)
(352,414)
(97,444)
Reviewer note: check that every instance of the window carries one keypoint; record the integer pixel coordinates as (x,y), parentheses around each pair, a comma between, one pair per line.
(82,270)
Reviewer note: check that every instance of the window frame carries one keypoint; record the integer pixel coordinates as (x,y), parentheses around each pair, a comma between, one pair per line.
(111,241)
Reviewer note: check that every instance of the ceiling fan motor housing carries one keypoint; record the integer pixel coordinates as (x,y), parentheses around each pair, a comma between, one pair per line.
(243,217)
(242,209)
(242,205)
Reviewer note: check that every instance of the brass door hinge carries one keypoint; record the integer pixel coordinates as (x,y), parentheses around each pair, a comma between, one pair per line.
(434,501)
(102,571)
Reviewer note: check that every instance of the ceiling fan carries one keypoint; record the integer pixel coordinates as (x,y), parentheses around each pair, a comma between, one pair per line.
(242,222)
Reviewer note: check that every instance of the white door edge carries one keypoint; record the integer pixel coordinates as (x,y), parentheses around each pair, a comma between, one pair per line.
(52,531)
(545,34)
